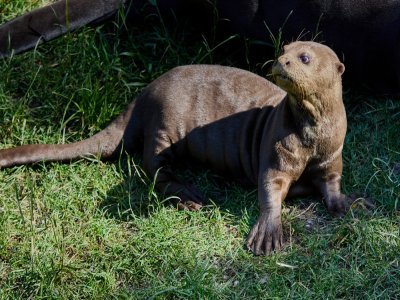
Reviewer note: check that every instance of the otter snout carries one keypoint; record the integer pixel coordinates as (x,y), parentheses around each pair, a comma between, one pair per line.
(284,60)
(281,61)
(280,64)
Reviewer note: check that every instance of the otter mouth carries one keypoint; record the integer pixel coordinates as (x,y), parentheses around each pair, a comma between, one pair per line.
(283,77)
(280,75)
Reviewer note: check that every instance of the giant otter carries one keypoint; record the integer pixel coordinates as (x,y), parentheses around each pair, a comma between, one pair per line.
(287,140)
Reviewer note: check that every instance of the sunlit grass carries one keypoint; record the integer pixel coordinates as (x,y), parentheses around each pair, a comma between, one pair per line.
(97,230)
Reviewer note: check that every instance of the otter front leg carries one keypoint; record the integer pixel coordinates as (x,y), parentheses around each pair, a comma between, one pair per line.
(337,204)
(266,234)
(328,183)
(157,161)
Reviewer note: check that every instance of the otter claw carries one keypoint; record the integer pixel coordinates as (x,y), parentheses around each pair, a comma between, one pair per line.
(189,205)
(265,237)
(360,201)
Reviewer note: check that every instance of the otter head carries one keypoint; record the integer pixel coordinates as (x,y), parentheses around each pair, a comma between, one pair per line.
(311,74)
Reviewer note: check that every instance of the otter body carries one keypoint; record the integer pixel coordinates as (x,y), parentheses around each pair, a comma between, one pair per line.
(287,140)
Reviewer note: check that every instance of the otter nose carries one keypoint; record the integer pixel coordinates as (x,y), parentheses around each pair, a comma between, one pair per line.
(284,61)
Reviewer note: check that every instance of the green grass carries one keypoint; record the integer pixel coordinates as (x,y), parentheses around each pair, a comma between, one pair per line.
(12,8)
(97,230)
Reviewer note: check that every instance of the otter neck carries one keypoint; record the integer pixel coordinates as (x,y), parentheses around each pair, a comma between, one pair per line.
(312,108)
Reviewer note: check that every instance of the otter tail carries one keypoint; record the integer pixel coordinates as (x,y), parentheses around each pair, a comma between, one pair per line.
(105,144)
(46,23)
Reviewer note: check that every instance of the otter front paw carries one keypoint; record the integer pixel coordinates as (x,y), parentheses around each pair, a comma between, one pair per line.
(265,236)
(339,206)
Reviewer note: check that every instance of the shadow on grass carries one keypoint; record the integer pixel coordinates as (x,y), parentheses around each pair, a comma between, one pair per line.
(135,197)
(136,194)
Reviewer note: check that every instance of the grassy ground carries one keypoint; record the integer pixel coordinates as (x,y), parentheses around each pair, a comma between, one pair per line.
(97,230)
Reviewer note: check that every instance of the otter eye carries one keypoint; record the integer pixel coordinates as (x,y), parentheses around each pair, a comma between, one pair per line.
(305,59)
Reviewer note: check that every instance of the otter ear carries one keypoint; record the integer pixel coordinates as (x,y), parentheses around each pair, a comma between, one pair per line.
(340,68)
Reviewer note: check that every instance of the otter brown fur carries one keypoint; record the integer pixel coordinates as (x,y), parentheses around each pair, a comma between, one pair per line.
(288,143)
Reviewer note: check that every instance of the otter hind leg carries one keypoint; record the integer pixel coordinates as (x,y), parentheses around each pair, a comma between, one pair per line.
(157,160)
